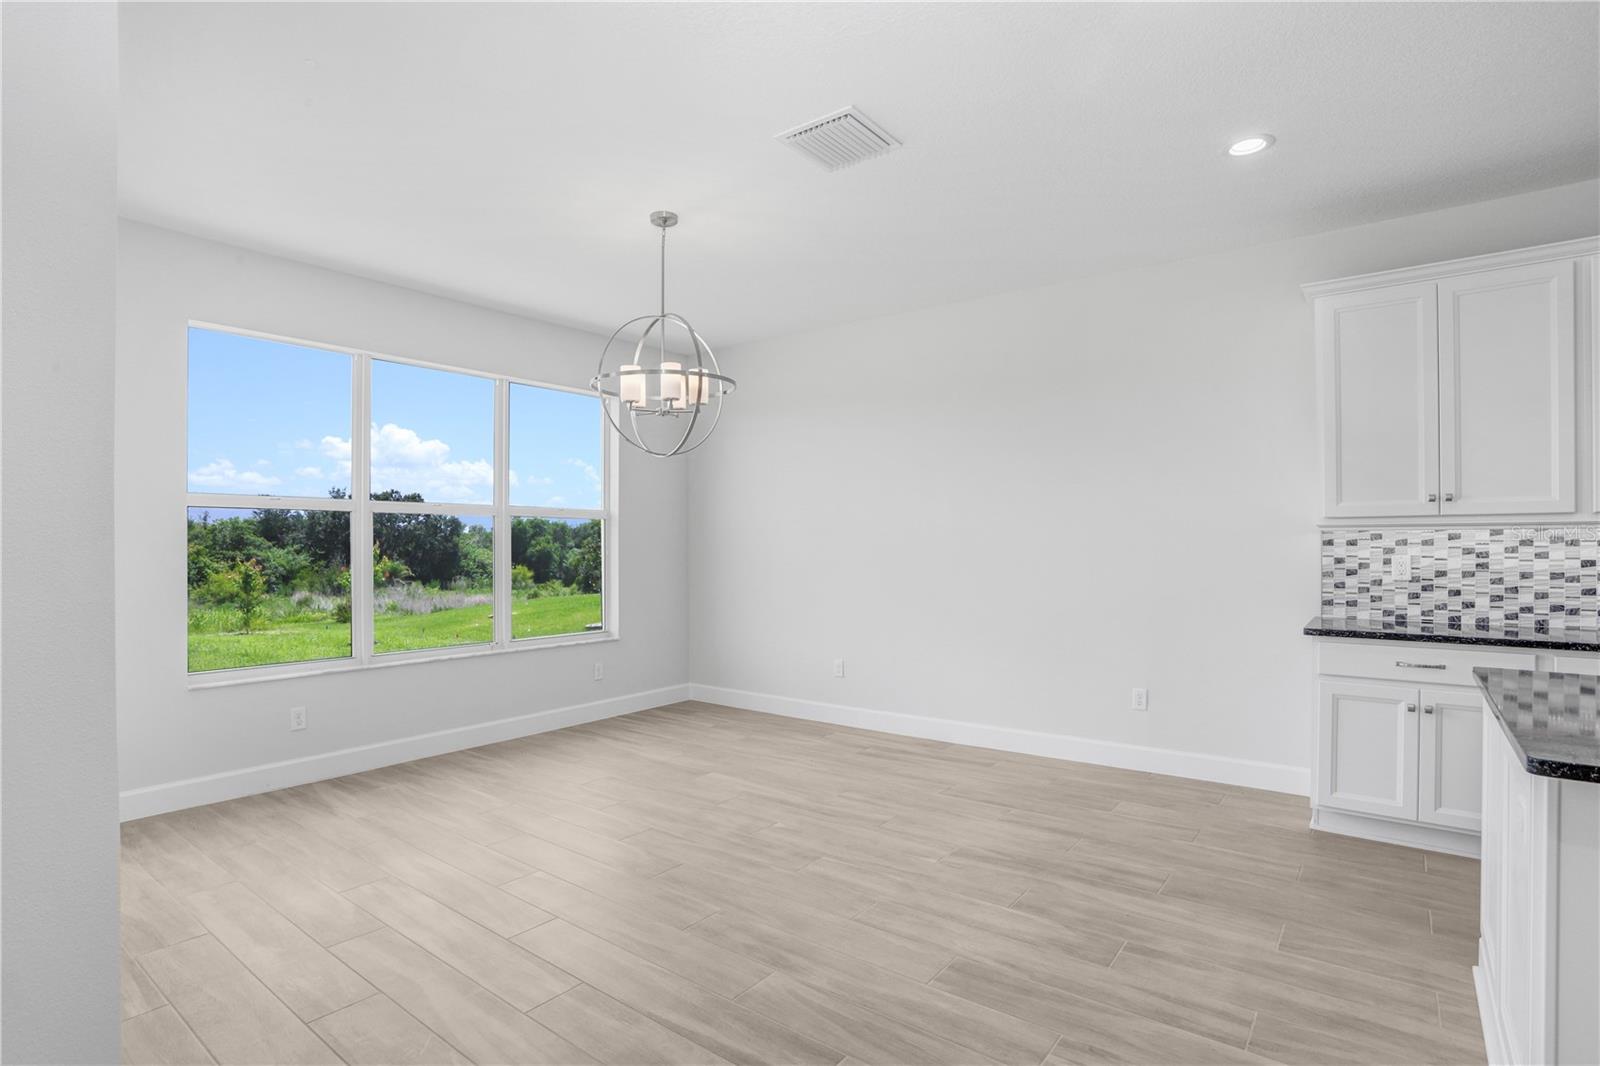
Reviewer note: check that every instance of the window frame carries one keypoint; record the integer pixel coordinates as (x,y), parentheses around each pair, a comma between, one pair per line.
(362,507)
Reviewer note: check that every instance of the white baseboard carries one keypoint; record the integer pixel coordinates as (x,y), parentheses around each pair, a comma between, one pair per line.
(1461,842)
(1276,777)
(232,784)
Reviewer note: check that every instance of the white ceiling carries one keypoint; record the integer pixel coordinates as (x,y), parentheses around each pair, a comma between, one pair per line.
(509,154)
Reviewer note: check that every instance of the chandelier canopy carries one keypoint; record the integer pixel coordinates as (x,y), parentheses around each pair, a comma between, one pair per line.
(658,379)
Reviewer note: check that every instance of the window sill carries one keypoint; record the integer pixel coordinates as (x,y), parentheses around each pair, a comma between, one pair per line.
(254,675)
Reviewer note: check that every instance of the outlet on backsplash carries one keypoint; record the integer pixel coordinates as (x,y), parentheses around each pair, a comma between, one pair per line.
(1400,566)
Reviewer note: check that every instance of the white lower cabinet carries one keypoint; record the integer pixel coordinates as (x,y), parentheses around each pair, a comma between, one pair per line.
(1400,752)
(1367,748)
(1399,741)
(1450,758)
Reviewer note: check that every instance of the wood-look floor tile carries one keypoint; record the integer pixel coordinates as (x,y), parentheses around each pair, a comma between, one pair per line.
(964,923)
(139,993)
(1174,1002)
(231,1012)
(1089,1031)
(699,884)
(488,905)
(1159,919)
(959,1020)
(665,945)
(326,916)
(736,1033)
(653,896)
(1286,983)
(908,956)
(497,964)
(376,1032)
(296,968)
(847,1024)
(466,1015)
(487,865)
(1307,1039)
(159,1037)
(334,864)
(614,1032)
(167,855)
(152,917)
(1432,961)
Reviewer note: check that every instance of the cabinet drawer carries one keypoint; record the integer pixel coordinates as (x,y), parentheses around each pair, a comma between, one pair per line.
(1418,662)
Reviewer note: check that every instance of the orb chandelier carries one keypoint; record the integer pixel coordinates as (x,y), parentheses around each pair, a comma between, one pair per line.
(663,396)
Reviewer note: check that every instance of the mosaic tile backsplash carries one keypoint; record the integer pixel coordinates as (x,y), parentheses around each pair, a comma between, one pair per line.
(1476,579)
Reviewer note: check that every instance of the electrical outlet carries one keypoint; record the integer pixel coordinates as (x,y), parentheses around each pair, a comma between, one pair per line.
(838,668)
(599,671)
(297,718)
(1141,699)
(1400,566)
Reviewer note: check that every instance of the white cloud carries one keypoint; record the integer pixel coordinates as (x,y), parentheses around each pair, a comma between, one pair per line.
(222,474)
(308,471)
(589,473)
(303,444)
(402,459)
(263,462)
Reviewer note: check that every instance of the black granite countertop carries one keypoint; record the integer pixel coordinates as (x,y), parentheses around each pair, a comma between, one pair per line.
(1557,640)
(1549,718)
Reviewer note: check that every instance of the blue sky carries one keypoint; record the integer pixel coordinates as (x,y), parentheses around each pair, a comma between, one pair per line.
(269,417)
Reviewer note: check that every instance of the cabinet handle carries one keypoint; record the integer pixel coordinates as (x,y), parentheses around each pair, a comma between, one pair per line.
(1433,497)
(1421,666)
(1427,708)
(1449,497)
(1411,708)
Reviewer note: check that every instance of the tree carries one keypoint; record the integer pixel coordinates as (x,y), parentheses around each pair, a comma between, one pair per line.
(252,588)
(428,544)
(588,559)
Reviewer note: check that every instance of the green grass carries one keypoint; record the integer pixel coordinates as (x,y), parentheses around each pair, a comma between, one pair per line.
(308,637)
(553,615)
(291,642)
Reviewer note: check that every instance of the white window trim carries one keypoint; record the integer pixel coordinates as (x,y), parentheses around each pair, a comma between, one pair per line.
(362,507)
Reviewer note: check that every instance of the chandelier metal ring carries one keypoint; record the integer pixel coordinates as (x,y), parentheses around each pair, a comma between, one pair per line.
(671,389)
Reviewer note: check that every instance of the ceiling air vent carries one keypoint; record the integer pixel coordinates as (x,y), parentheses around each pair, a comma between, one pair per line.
(841,139)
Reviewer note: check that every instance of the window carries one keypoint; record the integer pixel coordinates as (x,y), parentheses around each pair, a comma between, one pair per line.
(355,509)
(557,513)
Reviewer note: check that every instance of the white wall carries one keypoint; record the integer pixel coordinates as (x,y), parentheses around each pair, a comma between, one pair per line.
(1011,511)
(59,802)
(170,733)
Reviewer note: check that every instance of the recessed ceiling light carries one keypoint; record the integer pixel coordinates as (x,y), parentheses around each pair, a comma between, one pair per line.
(1251,145)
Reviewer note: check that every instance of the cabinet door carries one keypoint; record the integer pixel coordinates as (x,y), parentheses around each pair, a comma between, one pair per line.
(1507,412)
(1378,361)
(1367,748)
(1450,758)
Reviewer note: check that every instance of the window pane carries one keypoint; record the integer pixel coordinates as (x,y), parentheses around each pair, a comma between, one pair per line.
(267,587)
(267,417)
(555,448)
(433,581)
(555,576)
(432,435)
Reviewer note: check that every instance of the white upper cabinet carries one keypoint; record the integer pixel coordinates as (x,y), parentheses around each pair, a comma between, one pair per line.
(1378,355)
(1507,406)
(1451,389)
